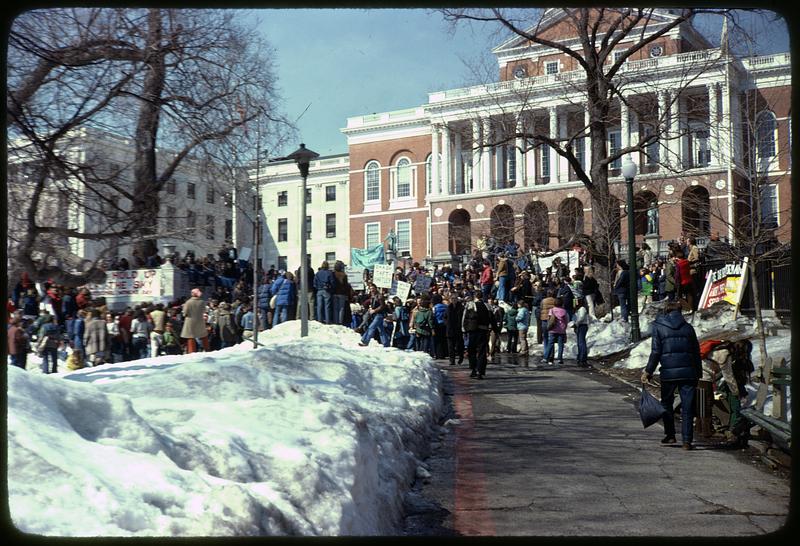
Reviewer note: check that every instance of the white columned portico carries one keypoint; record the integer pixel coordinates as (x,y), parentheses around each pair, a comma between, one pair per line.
(554,135)
(486,156)
(477,178)
(587,142)
(446,166)
(663,138)
(435,160)
(519,144)
(687,161)
(459,165)
(713,124)
(674,143)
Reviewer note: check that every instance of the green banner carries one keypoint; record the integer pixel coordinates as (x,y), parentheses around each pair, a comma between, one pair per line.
(366,258)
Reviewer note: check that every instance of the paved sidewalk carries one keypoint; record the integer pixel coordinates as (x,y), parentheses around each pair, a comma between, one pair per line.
(562,452)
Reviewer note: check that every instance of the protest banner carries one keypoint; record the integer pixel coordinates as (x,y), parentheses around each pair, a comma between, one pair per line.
(422,284)
(123,288)
(568,258)
(403,290)
(725,284)
(382,275)
(366,258)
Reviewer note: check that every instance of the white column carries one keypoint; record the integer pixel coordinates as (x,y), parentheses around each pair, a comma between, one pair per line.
(435,160)
(674,131)
(446,166)
(563,164)
(519,156)
(624,126)
(553,134)
(663,113)
(587,143)
(634,132)
(477,180)
(486,156)
(459,165)
(686,160)
(713,124)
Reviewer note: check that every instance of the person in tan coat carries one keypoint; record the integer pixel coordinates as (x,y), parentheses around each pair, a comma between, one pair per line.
(194,323)
(95,340)
(547,303)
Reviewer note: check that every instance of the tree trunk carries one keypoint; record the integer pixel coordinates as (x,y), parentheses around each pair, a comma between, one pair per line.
(146,188)
(762,339)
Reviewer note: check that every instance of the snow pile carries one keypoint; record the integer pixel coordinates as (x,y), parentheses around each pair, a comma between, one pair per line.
(312,436)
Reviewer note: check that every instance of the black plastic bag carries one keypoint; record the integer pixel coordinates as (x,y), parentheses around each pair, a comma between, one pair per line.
(650,409)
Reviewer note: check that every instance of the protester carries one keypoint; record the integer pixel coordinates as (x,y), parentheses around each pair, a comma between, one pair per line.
(476,322)
(557,332)
(622,288)
(96,340)
(454,331)
(581,325)
(523,322)
(17,343)
(675,348)
(194,326)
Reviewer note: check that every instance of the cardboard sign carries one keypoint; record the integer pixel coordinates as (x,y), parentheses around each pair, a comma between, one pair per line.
(403,290)
(725,284)
(244,253)
(382,276)
(422,284)
(134,282)
(355,278)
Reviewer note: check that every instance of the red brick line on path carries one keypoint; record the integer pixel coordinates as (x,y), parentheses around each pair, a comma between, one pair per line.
(472,513)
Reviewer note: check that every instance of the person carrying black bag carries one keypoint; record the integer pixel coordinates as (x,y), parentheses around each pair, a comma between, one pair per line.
(676,349)
(477,323)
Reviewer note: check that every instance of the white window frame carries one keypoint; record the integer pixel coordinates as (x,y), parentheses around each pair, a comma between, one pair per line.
(617,55)
(549,64)
(367,170)
(366,233)
(395,179)
(764,161)
(330,257)
(511,165)
(770,190)
(397,233)
(580,151)
(651,151)
(544,162)
(617,163)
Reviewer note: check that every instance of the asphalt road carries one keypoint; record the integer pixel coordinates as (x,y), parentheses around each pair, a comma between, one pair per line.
(562,452)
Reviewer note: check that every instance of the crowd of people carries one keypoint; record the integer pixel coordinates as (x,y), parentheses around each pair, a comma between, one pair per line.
(487,307)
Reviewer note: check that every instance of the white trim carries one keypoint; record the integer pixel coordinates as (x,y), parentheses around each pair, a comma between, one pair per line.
(366,224)
(412,183)
(366,182)
(397,233)
(386,212)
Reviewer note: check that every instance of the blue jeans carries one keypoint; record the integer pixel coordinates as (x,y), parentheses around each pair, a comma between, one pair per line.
(623,305)
(19,360)
(141,347)
(425,344)
(376,323)
(281,314)
(550,345)
(339,305)
(487,291)
(580,332)
(686,389)
(501,288)
(50,354)
(412,342)
(545,338)
(324,307)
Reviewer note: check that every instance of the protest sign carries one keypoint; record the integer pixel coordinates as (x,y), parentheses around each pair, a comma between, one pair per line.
(355,278)
(244,253)
(366,258)
(725,284)
(382,275)
(403,290)
(422,284)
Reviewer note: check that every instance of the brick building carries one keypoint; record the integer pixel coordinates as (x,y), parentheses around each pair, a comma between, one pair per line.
(722,122)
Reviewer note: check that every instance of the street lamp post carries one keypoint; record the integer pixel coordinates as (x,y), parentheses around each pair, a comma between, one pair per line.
(303,157)
(629,172)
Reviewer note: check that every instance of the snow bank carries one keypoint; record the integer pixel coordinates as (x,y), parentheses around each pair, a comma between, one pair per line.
(312,436)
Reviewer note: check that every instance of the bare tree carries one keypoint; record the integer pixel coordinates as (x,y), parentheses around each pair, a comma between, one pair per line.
(602,41)
(188,81)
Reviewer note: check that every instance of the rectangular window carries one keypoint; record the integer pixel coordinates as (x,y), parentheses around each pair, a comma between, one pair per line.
(769,206)
(308,196)
(551,67)
(282,263)
(190,190)
(372,234)
(228,230)
(545,157)
(210,195)
(283,230)
(190,220)
(308,227)
(651,150)
(373,183)
(330,257)
(403,235)
(171,186)
(580,152)
(703,151)
(283,198)
(614,146)
(209,227)
(511,165)
(618,54)
(330,226)
(330,193)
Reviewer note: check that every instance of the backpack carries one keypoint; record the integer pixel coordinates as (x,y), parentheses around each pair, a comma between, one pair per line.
(470,323)
(422,322)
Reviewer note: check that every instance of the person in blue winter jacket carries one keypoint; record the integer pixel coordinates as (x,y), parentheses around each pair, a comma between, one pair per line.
(676,349)
(325,285)
(286,300)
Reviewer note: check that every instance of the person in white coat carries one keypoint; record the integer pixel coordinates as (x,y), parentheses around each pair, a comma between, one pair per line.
(580,322)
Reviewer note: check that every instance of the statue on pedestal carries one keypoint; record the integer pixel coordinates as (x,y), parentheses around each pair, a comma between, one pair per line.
(391,242)
(652,218)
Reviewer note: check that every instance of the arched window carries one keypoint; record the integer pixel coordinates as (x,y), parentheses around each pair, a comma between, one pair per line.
(536,226)
(372,181)
(501,224)
(696,212)
(570,219)
(403,179)
(428,174)
(642,203)
(766,128)
(459,232)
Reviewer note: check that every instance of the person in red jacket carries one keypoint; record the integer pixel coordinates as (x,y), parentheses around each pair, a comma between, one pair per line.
(17,343)
(125,333)
(686,286)
(487,280)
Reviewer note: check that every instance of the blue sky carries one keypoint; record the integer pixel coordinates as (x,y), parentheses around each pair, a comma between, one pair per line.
(347,62)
